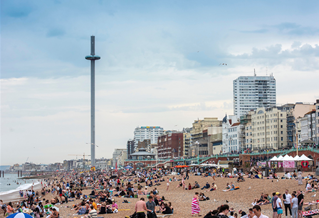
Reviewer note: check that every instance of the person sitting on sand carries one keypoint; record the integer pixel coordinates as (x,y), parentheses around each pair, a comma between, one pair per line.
(202,197)
(170,206)
(103,208)
(54,214)
(196,185)
(166,209)
(81,209)
(230,187)
(207,186)
(146,191)
(308,187)
(240,178)
(214,187)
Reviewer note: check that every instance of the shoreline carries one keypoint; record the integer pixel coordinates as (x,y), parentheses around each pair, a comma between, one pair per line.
(14,195)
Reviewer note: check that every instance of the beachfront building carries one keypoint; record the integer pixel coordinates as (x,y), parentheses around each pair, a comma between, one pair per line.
(200,136)
(130,147)
(186,143)
(317,122)
(269,129)
(252,92)
(294,112)
(147,132)
(215,140)
(170,145)
(117,154)
(308,127)
(246,133)
(232,134)
(142,154)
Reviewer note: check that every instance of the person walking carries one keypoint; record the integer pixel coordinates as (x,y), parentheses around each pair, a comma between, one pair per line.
(300,203)
(195,205)
(279,206)
(287,201)
(140,207)
(299,177)
(274,205)
(294,206)
(187,174)
(150,205)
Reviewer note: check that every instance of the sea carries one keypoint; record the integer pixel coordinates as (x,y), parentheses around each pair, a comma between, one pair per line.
(11,183)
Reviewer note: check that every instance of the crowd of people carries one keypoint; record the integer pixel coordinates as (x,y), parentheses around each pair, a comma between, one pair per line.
(107,188)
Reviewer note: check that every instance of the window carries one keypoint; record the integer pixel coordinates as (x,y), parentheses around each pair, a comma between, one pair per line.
(282,132)
(282,138)
(281,126)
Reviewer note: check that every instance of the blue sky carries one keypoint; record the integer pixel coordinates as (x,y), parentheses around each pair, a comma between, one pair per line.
(160,65)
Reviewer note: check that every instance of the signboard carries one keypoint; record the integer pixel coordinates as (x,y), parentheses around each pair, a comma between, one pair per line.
(289,164)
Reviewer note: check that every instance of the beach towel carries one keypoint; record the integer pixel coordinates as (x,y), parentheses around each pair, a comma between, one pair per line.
(195,206)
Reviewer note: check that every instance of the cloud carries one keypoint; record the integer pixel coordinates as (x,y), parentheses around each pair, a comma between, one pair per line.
(160,65)
(296,29)
(299,57)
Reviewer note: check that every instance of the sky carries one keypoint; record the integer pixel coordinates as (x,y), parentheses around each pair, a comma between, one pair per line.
(160,66)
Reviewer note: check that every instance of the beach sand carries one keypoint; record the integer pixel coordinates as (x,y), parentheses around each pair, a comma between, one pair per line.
(181,199)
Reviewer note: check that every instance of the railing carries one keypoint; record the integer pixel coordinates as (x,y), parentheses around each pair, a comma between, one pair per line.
(203,159)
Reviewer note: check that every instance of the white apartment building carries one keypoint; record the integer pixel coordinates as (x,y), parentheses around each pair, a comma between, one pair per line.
(317,122)
(232,137)
(147,132)
(118,154)
(269,129)
(308,126)
(252,92)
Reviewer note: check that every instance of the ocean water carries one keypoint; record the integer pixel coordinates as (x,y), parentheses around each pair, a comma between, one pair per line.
(10,183)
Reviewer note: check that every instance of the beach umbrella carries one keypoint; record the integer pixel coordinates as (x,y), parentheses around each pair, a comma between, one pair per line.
(19,215)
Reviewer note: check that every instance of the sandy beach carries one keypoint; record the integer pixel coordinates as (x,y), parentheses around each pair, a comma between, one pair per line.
(181,199)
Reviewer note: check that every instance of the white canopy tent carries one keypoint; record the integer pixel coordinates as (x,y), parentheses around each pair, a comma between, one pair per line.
(296,158)
(304,158)
(280,158)
(274,158)
(287,157)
